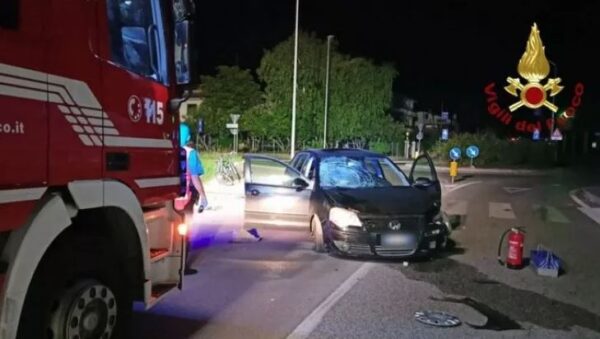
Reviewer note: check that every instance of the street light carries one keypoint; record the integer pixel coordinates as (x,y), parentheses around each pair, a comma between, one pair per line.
(295,86)
(329,38)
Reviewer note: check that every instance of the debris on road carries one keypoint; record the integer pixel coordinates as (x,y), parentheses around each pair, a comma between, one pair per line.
(438,319)
(405,264)
(242,235)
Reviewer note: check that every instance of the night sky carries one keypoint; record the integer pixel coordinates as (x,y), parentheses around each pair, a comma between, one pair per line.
(444,51)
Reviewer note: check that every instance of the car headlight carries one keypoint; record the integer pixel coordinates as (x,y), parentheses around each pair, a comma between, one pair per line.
(440,219)
(344,218)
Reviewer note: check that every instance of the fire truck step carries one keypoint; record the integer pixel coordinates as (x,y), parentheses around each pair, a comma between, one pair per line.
(158,253)
(160,290)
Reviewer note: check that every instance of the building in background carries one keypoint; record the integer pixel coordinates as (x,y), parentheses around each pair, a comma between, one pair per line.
(411,115)
(191,105)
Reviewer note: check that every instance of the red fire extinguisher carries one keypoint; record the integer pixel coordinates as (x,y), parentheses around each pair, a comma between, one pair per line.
(516,240)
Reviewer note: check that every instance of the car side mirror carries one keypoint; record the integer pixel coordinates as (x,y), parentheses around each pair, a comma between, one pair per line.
(299,184)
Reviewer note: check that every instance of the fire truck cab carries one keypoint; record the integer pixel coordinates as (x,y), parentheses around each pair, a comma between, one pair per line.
(89,162)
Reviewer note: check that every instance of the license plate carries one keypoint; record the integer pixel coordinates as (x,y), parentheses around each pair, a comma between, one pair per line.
(396,240)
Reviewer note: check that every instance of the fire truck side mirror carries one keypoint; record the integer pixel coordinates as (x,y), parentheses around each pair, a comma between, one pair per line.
(183,52)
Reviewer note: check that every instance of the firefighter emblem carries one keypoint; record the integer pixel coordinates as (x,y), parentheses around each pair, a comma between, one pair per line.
(534,67)
(134,108)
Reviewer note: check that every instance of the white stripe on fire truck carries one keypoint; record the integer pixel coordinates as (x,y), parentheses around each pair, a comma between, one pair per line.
(113,141)
(157,182)
(106,131)
(73,95)
(80,91)
(38,86)
(22,194)
(24,93)
(58,91)
(86,140)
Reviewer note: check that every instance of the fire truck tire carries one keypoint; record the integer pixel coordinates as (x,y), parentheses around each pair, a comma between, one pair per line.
(77,292)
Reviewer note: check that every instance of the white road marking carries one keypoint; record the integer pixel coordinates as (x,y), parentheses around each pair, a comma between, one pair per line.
(551,214)
(501,210)
(513,190)
(592,213)
(456,187)
(314,318)
(456,207)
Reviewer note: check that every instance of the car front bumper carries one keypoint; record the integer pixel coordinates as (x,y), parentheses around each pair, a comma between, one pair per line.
(358,242)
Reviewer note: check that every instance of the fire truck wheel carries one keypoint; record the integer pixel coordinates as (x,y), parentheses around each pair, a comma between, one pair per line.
(77,294)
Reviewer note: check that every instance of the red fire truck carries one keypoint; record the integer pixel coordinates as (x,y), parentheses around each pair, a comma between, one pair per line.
(89,161)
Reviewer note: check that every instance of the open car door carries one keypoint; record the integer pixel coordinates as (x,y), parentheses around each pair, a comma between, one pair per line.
(277,195)
(424,175)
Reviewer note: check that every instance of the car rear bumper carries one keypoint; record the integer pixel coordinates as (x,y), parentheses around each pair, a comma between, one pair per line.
(357,242)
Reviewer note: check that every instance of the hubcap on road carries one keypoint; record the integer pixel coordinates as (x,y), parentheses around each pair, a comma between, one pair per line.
(438,319)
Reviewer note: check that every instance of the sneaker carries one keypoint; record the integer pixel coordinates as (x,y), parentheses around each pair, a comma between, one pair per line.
(254,232)
(190,271)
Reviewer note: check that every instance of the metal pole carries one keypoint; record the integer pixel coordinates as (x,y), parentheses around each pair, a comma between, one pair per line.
(329,38)
(295,86)
(555,69)
(182,261)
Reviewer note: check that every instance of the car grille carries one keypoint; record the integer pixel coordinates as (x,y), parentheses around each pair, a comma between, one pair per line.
(393,252)
(414,224)
(357,249)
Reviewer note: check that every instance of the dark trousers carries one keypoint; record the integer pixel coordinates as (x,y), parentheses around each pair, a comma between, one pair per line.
(189,214)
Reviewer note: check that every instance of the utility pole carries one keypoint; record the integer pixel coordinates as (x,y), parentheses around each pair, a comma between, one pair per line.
(555,71)
(295,86)
(329,38)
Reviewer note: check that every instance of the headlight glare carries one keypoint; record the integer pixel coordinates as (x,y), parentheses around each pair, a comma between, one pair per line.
(344,218)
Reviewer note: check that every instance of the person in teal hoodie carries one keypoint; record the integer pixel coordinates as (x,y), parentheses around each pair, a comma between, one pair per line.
(195,170)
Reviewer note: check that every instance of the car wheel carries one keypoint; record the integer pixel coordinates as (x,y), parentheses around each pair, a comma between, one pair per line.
(318,236)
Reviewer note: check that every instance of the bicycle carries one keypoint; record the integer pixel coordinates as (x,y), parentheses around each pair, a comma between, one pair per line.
(227,173)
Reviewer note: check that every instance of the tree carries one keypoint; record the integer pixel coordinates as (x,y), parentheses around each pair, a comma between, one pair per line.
(276,71)
(360,93)
(231,91)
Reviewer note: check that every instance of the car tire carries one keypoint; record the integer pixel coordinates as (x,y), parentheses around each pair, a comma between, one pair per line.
(318,236)
(75,278)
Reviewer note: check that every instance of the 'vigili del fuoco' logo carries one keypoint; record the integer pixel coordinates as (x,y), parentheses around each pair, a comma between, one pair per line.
(535,92)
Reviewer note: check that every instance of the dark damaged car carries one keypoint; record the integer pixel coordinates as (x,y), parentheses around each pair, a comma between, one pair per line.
(355,202)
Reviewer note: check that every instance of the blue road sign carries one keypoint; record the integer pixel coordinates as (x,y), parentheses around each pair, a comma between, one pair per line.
(200,126)
(536,134)
(455,153)
(445,134)
(472,151)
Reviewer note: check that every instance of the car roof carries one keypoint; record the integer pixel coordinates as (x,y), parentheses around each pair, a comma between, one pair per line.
(325,152)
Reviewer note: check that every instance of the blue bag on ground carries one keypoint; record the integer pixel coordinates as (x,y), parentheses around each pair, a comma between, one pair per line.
(545,262)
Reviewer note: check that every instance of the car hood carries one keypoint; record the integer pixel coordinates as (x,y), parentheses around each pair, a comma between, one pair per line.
(385,200)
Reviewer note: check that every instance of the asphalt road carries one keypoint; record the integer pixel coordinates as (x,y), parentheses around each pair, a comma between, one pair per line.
(279,286)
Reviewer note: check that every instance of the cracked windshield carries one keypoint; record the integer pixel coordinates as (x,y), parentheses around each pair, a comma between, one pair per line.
(301,169)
